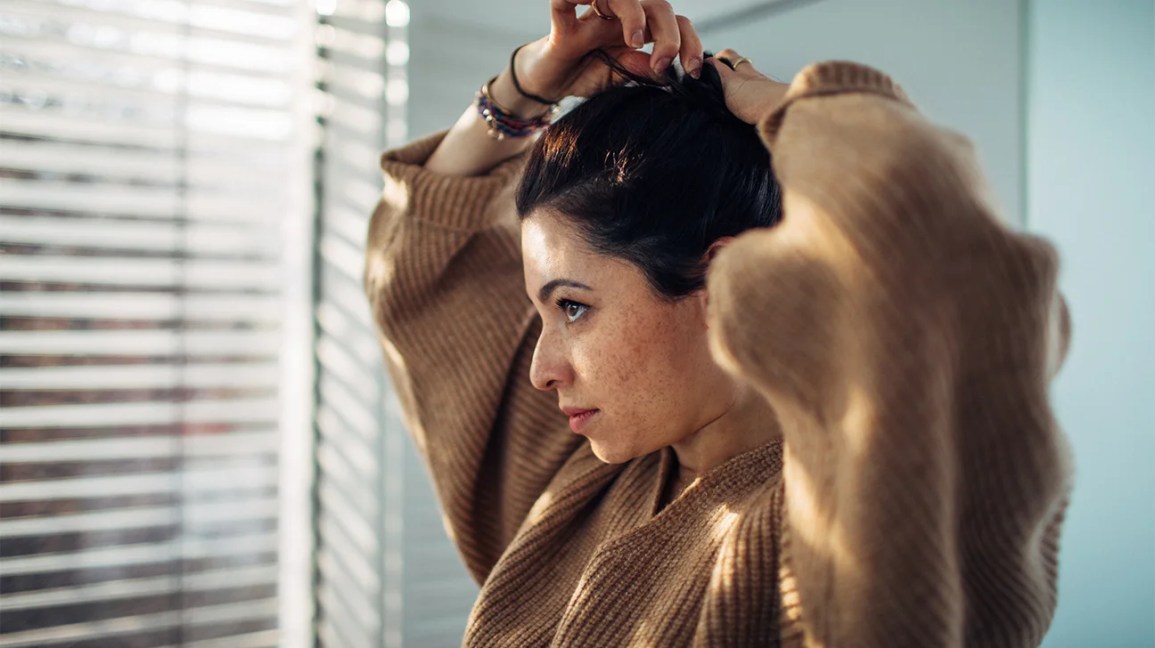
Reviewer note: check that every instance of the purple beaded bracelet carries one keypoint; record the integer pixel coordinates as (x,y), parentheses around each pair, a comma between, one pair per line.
(502,122)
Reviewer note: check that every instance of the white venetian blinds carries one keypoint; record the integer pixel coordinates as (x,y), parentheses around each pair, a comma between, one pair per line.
(154,190)
(386,574)
(359,553)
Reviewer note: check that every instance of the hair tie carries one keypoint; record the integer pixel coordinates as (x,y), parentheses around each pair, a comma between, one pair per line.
(517,84)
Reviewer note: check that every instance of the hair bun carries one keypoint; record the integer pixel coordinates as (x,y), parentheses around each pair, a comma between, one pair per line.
(705,92)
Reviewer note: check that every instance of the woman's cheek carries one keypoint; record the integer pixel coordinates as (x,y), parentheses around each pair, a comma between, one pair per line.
(601,361)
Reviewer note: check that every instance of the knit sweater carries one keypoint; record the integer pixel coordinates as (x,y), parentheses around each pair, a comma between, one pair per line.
(903,336)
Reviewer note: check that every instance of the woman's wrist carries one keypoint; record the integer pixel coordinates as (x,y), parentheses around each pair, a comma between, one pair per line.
(505,94)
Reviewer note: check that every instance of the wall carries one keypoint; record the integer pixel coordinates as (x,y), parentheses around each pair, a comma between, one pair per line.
(1091,106)
(959,62)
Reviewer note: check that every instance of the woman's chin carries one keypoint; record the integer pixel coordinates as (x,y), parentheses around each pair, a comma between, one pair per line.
(609,453)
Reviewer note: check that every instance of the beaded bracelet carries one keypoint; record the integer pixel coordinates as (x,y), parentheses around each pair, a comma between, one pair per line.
(502,122)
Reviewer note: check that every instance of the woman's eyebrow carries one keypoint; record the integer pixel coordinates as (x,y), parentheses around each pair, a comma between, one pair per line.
(549,287)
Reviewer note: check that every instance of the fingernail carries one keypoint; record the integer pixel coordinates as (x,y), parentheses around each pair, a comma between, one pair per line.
(638,39)
(662,64)
(695,68)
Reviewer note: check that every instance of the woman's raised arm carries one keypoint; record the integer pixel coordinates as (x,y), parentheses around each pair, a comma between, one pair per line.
(444,279)
(906,338)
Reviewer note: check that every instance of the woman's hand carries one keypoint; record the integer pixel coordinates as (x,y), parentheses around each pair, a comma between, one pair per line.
(557,66)
(750,95)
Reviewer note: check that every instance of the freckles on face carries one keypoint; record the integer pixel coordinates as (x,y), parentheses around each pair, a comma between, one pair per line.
(641,360)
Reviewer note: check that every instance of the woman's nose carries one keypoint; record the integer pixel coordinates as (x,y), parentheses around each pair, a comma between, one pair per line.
(549,368)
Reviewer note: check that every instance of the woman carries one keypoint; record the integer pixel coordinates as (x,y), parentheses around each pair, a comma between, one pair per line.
(818,418)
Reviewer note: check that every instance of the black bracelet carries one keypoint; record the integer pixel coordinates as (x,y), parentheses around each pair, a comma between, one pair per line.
(516,84)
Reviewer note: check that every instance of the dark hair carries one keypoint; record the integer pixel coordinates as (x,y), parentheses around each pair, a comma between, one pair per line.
(654,174)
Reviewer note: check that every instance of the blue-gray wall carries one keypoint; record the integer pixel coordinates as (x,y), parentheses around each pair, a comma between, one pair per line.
(1090,178)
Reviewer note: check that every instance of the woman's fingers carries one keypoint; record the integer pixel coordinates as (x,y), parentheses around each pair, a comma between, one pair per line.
(738,64)
(664,31)
(641,21)
(632,17)
(691,47)
(562,15)
(749,93)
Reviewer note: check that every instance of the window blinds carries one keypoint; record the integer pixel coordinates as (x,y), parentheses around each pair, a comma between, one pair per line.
(155,196)
(362,85)
(386,574)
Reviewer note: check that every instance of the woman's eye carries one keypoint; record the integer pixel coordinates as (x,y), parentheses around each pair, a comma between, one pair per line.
(573,310)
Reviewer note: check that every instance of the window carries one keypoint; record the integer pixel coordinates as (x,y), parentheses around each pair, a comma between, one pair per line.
(197,442)
(156,202)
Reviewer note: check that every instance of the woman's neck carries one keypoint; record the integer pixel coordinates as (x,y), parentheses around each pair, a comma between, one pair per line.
(748,423)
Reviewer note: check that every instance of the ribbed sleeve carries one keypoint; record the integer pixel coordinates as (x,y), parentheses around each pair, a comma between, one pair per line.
(905,337)
(444,279)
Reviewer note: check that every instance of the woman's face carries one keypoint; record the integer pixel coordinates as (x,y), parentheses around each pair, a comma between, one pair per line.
(610,343)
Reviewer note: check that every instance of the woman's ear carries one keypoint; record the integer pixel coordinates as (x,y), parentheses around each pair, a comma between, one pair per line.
(717,247)
(708,258)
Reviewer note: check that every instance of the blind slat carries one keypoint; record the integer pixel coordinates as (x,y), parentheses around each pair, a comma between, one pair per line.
(192,482)
(251,441)
(140,343)
(261,639)
(113,128)
(142,49)
(339,625)
(350,564)
(139,587)
(117,305)
(190,548)
(197,18)
(356,600)
(137,623)
(341,364)
(194,273)
(165,89)
(157,166)
(88,196)
(253,410)
(129,199)
(191,238)
(358,530)
(188,515)
(90,630)
(152,376)
(49,124)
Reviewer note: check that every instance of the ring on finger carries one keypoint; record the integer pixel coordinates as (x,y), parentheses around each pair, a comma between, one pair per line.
(740,61)
(598,12)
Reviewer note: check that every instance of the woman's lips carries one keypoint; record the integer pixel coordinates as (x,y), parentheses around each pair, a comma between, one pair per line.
(578,418)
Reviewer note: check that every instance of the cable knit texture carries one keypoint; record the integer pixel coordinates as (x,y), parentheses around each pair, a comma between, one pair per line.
(902,334)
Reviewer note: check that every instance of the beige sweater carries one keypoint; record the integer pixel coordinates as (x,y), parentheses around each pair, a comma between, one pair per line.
(903,335)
